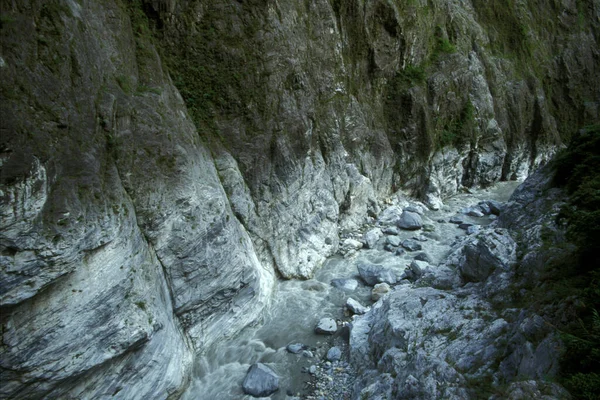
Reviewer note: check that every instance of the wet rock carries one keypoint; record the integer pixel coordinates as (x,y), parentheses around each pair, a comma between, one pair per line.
(465,225)
(260,381)
(355,306)
(485,208)
(428,227)
(390,216)
(371,237)
(334,354)
(471,230)
(375,273)
(456,220)
(423,257)
(399,252)
(350,245)
(389,247)
(313,369)
(295,348)
(495,206)
(326,326)
(417,267)
(379,291)
(345,284)
(390,230)
(393,240)
(474,212)
(411,245)
(307,354)
(410,221)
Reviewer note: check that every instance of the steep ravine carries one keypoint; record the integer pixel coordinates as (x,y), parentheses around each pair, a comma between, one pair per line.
(163,162)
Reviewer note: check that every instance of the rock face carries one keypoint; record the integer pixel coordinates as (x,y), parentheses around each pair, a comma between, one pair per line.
(260,381)
(162,161)
(460,325)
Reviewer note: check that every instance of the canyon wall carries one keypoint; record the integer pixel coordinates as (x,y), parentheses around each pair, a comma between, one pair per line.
(163,162)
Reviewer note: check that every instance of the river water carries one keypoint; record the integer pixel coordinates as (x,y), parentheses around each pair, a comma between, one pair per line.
(297,307)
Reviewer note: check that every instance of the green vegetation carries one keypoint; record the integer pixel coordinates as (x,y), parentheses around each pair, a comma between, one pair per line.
(458,131)
(578,170)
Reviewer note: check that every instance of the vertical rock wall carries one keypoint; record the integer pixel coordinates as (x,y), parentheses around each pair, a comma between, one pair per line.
(162,161)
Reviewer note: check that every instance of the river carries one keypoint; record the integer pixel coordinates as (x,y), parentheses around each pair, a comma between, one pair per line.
(297,307)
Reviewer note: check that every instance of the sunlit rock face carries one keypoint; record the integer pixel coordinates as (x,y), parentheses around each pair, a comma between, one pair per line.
(163,161)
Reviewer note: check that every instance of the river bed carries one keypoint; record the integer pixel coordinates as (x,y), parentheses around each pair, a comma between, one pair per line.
(297,306)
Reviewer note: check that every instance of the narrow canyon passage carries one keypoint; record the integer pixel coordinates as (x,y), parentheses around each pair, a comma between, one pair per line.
(297,306)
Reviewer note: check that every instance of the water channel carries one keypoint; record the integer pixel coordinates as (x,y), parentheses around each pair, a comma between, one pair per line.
(297,306)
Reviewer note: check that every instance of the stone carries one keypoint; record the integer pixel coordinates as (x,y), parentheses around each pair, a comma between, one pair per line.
(471,230)
(428,227)
(410,221)
(375,273)
(379,291)
(456,219)
(485,208)
(351,244)
(465,225)
(474,212)
(345,284)
(326,326)
(390,230)
(399,252)
(393,240)
(495,206)
(371,237)
(334,354)
(355,306)
(411,245)
(423,257)
(390,216)
(389,247)
(490,250)
(417,267)
(295,348)
(307,354)
(312,369)
(260,381)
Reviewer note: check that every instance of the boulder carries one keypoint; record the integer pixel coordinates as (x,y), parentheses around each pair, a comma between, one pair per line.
(260,381)
(465,225)
(345,284)
(424,257)
(334,354)
(495,206)
(375,273)
(411,245)
(379,291)
(457,219)
(474,212)
(485,208)
(351,244)
(489,250)
(295,348)
(326,326)
(355,306)
(393,240)
(389,247)
(390,216)
(400,252)
(390,230)
(410,221)
(371,237)
(417,267)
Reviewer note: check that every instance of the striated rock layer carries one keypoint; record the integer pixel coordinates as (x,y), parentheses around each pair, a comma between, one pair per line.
(162,161)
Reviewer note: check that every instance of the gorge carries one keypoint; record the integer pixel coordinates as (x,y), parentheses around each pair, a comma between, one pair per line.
(169,167)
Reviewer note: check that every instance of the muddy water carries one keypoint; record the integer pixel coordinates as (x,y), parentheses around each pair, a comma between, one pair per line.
(298,305)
